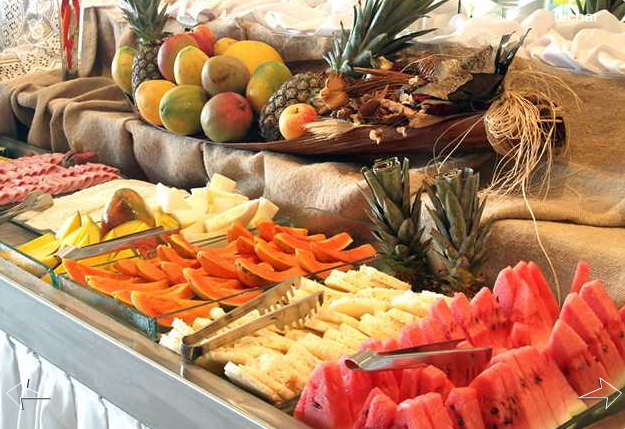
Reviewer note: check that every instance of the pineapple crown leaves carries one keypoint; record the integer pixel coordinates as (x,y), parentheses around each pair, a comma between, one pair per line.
(377,25)
(615,7)
(145,18)
(395,221)
(456,212)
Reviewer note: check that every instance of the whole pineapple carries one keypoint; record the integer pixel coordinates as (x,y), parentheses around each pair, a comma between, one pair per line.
(147,22)
(375,32)
(459,237)
(396,221)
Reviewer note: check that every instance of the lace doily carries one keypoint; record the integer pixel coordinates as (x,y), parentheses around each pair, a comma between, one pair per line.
(29,37)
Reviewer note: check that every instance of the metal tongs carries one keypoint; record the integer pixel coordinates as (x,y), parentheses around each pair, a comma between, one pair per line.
(460,364)
(275,309)
(37,201)
(143,241)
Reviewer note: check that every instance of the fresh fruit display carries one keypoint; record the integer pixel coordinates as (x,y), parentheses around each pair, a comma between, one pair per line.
(294,118)
(224,74)
(534,380)
(148,97)
(226,117)
(19,177)
(121,69)
(147,21)
(265,81)
(168,52)
(188,66)
(180,109)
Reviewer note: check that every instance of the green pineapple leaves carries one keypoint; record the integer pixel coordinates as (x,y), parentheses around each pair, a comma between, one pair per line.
(145,18)
(615,7)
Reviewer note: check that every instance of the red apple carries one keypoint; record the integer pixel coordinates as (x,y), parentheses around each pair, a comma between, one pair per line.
(204,38)
(293,119)
(168,51)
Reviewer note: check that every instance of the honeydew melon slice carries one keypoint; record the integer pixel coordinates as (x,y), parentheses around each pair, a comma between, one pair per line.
(242,213)
(266,211)
(221,201)
(222,183)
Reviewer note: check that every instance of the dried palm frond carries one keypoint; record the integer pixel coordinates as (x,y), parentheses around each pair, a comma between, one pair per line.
(331,128)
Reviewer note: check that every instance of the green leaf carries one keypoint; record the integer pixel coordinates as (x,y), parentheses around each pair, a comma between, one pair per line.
(469,197)
(455,217)
(405,177)
(376,188)
(392,214)
(440,226)
(406,231)
(438,206)
(389,175)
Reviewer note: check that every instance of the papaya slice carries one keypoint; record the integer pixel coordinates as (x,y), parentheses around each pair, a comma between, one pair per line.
(212,288)
(155,306)
(265,265)
(314,237)
(279,260)
(309,263)
(182,246)
(245,246)
(237,230)
(288,243)
(127,267)
(108,286)
(295,232)
(336,242)
(241,297)
(150,271)
(78,272)
(166,253)
(180,291)
(173,272)
(324,254)
(266,230)
(216,265)
(255,275)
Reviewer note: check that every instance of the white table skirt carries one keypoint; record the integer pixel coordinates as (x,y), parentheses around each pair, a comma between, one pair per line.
(72,405)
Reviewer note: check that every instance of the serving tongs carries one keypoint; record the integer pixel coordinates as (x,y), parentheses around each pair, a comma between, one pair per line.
(274,307)
(144,242)
(460,364)
(37,201)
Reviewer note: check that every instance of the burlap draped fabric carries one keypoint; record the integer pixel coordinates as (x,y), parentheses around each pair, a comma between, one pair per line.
(582,217)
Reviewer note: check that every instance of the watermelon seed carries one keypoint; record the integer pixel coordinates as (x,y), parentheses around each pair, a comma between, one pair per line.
(316,405)
(460,422)
(494,411)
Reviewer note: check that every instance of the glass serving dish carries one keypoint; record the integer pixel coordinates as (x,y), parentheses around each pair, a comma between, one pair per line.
(12,254)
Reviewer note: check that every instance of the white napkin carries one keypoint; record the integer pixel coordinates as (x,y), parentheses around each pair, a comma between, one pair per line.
(9,378)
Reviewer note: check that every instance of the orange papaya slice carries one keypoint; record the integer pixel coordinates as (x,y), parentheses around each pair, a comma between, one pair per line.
(216,265)
(180,291)
(279,260)
(245,246)
(265,265)
(166,253)
(310,264)
(314,237)
(173,272)
(237,230)
(212,288)
(288,243)
(266,230)
(150,271)
(295,232)
(127,267)
(78,272)
(182,246)
(336,242)
(156,306)
(324,254)
(107,285)
(255,275)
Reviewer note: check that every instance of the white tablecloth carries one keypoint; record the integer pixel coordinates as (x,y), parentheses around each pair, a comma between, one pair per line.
(72,405)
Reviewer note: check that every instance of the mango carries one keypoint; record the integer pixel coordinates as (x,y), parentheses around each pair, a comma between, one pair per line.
(125,205)
(224,74)
(70,225)
(226,117)
(181,107)
(126,228)
(148,98)
(223,44)
(121,68)
(169,50)
(41,247)
(265,81)
(253,53)
(188,66)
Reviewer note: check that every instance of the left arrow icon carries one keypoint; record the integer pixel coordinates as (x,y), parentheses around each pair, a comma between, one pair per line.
(27,394)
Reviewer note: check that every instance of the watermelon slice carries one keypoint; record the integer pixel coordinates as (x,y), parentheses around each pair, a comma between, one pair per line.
(485,308)
(440,312)
(579,316)
(325,404)
(545,292)
(496,405)
(464,409)
(435,409)
(522,271)
(411,414)
(531,395)
(434,380)
(357,384)
(432,330)
(476,331)
(387,382)
(378,412)
(581,277)
(555,381)
(520,335)
(527,310)
(597,298)
(572,356)
(621,312)
(411,336)
(505,289)
(390,345)
(301,404)
(409,387)
(524,416)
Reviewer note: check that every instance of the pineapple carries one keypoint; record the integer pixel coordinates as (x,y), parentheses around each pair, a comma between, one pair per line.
(375,33)
(396,222)
(147,22)
(458,235)
(615,7)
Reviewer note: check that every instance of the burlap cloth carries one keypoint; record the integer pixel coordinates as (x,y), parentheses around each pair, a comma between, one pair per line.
(582,217)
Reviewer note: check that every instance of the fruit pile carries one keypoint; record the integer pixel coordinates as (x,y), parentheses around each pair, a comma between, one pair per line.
(544,359)
(212,86)
(232,274)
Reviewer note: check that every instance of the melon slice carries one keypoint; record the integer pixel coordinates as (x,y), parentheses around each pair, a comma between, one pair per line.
(475,330)
(579,316)
(464,408)
(411,336)
(546,293)
(505,289)
(581,276)
(440,312)
(435,410)
(621,312)
(572,356)
(597,298)
(432,330)
(526,417)
(527,311)
(222,183)
(242,213)
(555,381)
(409,387)
(411,414)
(522,271)
(520,335)
(357,386)
(325,405)
(434,380)
(487,310)
(266,211)
(378,412)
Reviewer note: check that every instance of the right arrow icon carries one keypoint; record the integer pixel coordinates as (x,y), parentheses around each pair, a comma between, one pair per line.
(596,395)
